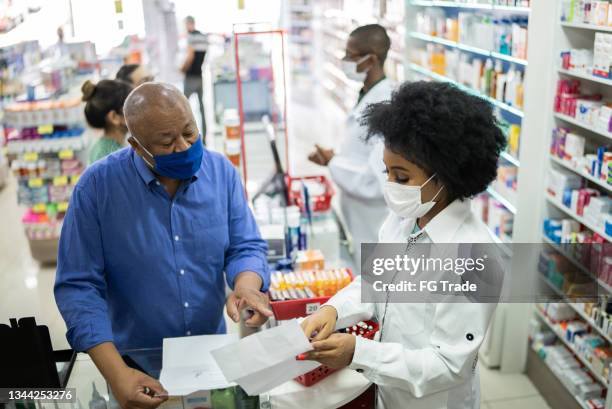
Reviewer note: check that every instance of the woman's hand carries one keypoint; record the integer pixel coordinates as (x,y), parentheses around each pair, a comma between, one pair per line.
(321,324)
(336,351)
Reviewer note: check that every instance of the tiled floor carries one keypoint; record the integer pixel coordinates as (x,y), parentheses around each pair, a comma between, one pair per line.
(26,288)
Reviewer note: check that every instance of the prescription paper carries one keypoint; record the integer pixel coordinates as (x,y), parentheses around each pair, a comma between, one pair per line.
(266,359)
(188,366)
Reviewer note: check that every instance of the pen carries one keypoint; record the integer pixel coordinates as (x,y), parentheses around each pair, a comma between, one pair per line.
(152,393)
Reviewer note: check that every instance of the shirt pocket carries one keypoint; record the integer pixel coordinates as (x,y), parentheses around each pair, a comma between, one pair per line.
(210,242)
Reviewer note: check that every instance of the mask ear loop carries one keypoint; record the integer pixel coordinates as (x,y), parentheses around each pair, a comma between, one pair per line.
(146,150)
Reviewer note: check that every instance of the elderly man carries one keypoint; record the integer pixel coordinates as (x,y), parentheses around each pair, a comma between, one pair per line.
(149,232)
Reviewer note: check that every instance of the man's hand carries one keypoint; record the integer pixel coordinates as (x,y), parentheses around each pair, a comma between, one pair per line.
(247,294)
(130,386)
(336,351)
(321,324)
(321,156)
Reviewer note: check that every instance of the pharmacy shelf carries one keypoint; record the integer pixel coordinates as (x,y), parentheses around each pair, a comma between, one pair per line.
(579,400)
(579,310)
(467,48)
(554,328)
(502,199)
(476,6)
(576,263)
(46,145)
(584,126)
(576,217)
(510,158)
(585,76)
(424,71)
(568,165)
(583,26)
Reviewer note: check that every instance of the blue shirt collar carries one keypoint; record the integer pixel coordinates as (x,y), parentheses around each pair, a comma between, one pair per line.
(147,175)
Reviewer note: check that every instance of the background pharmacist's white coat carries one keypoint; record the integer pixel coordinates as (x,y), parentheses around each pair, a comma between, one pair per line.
(429,353)
(357,170)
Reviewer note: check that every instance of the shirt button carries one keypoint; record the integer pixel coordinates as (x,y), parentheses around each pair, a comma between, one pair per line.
(182,272)
(176,238)
(186,305)
(157,182)
(188,333)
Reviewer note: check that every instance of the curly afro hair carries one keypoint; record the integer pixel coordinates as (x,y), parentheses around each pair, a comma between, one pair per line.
(443,130)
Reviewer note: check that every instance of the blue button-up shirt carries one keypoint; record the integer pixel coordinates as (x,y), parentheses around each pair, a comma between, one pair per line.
(136,266)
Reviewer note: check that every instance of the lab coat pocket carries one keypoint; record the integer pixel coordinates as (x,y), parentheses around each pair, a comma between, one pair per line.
(210,242)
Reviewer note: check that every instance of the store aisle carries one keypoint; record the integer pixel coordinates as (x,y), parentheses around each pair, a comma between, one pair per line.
(26,288)
(508,391)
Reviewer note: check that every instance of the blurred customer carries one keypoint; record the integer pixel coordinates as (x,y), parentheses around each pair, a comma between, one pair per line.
(197,44)
(357,169)
(104,110)
(134,74)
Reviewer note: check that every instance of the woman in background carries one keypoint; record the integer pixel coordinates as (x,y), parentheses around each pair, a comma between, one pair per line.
(104,110)
(134,74)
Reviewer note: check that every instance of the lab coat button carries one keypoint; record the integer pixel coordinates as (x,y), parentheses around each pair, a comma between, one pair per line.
(360,370)
(469,337)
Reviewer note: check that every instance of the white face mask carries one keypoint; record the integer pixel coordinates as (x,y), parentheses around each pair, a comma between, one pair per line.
(350,69)
(405,201)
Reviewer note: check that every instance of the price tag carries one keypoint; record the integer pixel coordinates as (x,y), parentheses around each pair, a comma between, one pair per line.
(45,129)
(60,181)
(62,207)
(66,154)
(30,156)
(74,179)
(39,208)
(36,182)
(312,307)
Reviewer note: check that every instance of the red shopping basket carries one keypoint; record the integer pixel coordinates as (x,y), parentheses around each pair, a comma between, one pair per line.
(322,372)
(289,309)
(319,203)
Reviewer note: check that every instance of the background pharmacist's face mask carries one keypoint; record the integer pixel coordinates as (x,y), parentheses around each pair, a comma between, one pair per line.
(405,201)
(177,165)
(350,69)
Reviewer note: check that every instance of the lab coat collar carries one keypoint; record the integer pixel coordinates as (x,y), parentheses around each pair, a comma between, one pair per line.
(373,94)
(443,227)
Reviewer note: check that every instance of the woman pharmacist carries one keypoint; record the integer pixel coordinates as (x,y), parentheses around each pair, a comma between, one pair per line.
(441,148)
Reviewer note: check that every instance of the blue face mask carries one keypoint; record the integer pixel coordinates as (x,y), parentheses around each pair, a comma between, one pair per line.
(178,165)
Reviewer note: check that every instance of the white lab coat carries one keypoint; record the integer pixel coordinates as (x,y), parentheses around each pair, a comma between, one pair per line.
(357,170)
(425,359)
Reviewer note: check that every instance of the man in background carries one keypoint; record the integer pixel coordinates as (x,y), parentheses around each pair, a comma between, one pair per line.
(357,168)
(197,44)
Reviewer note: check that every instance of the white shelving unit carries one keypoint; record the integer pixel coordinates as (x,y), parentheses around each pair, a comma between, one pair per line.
(467,48)
(571,35)
(472,6)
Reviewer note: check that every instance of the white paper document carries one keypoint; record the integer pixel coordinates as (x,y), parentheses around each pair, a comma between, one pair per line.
(188,366)
(266,359)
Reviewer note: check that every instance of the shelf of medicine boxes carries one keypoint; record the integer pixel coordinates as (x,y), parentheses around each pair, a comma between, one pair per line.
(571,166)
(428,73)
(467,48)
(75,143)
(582,74)
(554,328)
(565,384)
(557,203)
(464,5)
(559,248)
(586,127)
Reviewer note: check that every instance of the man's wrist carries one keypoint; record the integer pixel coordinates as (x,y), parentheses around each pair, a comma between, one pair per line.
(248,280)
